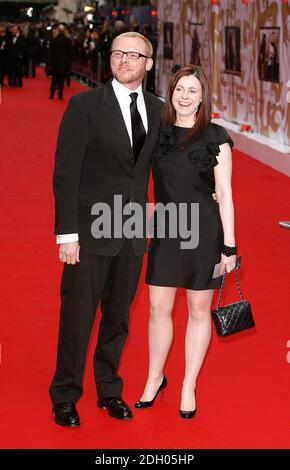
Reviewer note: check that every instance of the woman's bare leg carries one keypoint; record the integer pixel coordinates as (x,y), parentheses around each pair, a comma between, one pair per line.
(197,339)
(160,336)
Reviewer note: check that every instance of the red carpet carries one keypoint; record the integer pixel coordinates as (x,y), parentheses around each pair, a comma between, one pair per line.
(243,389)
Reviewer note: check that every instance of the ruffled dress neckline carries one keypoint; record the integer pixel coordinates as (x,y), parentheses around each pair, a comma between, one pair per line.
(199,150)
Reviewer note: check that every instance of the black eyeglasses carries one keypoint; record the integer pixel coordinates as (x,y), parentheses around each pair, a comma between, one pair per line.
(130,54)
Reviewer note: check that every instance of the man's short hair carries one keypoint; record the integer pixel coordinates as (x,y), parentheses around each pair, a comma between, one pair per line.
(134,34)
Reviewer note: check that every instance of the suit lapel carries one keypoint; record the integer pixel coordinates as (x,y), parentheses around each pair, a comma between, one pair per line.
(111,107)
(150,114)
(151,119)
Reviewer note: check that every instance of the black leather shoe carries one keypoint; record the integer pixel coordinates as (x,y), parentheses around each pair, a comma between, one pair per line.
(116,407)
(187,414)
(147,404)
(66,414)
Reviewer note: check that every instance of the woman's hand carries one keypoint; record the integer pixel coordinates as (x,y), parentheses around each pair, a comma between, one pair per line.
(228,263)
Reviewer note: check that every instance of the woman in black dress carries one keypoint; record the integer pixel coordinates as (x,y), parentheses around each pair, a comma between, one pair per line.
(192,160)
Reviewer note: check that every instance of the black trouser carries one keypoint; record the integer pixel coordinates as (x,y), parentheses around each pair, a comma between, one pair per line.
(114,281)
(57,81)
(3,69)
(29,66)
(15,72)
(68,80)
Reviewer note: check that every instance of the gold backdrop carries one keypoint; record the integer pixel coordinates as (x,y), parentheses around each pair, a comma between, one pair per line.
(244,49)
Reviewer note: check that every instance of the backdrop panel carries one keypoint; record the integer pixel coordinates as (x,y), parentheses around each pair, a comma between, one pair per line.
(244,49)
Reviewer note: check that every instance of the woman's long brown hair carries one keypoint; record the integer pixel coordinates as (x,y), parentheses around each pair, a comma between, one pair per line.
(203,114)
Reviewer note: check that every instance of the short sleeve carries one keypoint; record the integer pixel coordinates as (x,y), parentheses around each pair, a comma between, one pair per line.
(221,136)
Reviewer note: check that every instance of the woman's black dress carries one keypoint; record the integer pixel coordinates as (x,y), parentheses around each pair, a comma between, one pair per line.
(185,174)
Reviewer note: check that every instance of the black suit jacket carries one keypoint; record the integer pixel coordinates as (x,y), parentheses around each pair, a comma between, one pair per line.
(95,161)
(16,50)
(60,54)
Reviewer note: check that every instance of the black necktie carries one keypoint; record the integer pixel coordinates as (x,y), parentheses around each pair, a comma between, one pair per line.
(138,131)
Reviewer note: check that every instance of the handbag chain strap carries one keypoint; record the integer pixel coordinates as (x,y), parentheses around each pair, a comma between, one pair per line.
(222,287)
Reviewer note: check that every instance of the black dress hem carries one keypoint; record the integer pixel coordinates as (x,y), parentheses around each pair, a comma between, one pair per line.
(216,282)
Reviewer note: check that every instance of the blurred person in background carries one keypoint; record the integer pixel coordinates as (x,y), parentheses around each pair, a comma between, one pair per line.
(59,60)
(3,53)
(32,52)
(16,53)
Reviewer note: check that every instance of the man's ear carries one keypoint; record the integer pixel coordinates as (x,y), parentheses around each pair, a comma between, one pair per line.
(149,64)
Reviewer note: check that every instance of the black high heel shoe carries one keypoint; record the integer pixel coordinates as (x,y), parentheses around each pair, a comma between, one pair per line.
(147,404)
(187,414)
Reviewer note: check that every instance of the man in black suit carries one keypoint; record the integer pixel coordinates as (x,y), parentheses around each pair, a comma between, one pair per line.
(59,59)
(105,141)
(16,53)
(3,54)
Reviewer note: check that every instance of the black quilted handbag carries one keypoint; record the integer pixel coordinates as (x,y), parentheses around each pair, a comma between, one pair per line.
(234,317)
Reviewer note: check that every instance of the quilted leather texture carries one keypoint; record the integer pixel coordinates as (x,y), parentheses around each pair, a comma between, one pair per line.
(232,318)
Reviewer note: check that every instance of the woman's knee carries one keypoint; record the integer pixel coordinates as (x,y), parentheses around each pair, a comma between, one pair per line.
(198,312)
(160,309)
(199,304)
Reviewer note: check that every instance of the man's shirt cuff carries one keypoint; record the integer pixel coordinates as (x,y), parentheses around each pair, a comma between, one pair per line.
(67,238)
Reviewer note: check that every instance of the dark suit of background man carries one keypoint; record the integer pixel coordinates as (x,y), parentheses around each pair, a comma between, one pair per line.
(59,59)
(3,53)
(16,53)
(95,161)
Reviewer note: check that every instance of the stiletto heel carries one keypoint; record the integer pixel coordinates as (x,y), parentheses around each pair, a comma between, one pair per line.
(147,404)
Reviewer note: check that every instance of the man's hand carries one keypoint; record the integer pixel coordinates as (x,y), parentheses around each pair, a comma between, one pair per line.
(69,252)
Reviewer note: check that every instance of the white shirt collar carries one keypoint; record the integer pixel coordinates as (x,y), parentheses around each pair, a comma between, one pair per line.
(122,92)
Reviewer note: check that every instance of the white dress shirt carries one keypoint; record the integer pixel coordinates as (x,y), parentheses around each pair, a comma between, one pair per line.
(14,39)
(123,96)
